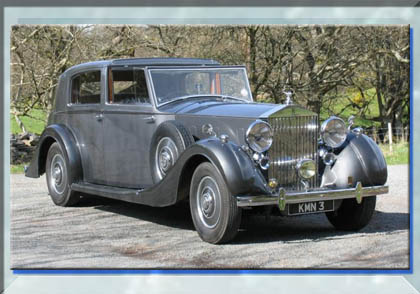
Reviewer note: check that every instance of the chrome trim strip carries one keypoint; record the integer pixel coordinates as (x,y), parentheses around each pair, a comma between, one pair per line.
(282,197)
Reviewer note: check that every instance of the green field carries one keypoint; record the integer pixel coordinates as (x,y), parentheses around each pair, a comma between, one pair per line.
(16,169)
(399,155)
(34,123)
(341,101)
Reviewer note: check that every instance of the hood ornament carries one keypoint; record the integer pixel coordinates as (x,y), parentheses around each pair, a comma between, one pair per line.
(289,94)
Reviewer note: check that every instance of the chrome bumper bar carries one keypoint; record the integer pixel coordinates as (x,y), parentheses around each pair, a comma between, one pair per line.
(283,197)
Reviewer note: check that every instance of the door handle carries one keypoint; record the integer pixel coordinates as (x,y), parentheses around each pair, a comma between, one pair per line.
(99,117)
(150,119)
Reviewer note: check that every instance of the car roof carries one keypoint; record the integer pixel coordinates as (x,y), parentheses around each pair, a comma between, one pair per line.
(164,61)
(145,62)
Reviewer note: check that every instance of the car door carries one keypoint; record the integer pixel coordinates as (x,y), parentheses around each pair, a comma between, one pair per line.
(85,118)
(129,123)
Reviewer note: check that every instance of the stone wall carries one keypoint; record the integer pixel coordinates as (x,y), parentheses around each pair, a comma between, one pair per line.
(22,147)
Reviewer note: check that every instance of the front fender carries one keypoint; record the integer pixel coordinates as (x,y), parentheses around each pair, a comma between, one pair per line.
(62,135)
(361,160)
(236,167)
(241,174)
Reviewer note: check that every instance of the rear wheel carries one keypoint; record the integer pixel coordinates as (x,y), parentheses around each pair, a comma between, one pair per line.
(214,211)
(58,177)
(352,216)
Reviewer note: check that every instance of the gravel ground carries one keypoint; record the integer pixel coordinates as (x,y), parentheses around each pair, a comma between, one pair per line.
(102,233)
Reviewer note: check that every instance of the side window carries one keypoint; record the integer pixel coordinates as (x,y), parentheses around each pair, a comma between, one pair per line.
(128,86)
(86,88)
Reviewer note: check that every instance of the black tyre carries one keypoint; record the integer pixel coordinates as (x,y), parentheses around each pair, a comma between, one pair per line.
(214,211)
(352,216)
(170,140)
(58,177)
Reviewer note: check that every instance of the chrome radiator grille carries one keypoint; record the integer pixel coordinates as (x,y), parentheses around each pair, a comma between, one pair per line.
(295,138)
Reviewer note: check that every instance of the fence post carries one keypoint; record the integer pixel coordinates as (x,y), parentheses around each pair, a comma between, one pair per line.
(402,135)
(390,136)
(375,135)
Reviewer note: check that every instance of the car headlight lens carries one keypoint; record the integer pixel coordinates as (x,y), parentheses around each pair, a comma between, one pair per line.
(333,132)
(259,136)
(306,168)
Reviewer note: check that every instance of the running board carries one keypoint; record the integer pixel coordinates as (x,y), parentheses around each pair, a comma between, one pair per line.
(124,194)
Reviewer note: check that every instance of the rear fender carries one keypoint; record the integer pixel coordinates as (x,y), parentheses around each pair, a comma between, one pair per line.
(62,135)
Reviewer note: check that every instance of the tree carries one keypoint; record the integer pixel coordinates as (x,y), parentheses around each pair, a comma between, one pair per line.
(322,64)
(388,60)
(39,55)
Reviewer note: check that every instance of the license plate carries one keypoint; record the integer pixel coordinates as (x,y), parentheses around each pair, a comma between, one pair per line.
(311,207)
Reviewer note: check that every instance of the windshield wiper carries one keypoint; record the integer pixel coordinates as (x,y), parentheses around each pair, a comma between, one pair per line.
(223,97)
(183,98)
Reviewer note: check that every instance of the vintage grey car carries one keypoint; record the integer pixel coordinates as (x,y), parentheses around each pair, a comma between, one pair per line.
(157,131)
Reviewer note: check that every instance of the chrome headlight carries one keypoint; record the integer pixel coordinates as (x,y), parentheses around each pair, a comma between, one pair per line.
(259,136)
(333,132)
(306,168)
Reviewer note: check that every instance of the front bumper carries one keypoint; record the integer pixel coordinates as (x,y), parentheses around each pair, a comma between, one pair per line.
(282,197)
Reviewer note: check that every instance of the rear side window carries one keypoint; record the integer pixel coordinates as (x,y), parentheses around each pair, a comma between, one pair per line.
(128,86)
(86,88)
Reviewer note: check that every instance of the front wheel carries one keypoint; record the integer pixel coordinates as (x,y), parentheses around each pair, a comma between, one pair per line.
(214,211)
(352,216)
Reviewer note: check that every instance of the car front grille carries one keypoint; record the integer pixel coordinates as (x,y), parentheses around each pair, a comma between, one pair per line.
(295,138)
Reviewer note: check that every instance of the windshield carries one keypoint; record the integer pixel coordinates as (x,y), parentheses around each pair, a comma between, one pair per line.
(175,84)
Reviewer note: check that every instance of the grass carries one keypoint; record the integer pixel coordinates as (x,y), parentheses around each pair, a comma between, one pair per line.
(33,124)
(340,101)
(399,154)
(17,168)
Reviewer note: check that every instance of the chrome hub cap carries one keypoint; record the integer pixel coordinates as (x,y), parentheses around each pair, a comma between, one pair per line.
(58,174)
(165,159)
(207,205)
(208,202)
(166,155)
